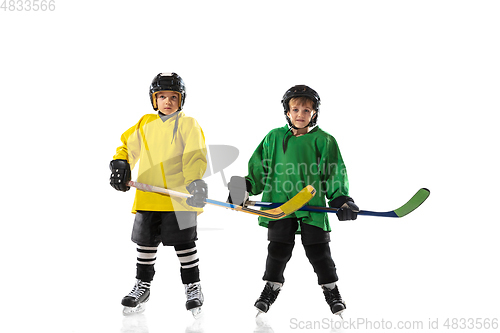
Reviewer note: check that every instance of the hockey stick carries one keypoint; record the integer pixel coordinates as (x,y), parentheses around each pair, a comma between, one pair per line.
(281,210)
(404,210)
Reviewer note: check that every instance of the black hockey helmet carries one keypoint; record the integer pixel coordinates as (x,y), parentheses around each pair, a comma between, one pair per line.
(169,82)
(301,91)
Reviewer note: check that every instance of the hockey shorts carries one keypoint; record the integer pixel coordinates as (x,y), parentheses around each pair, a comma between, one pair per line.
(283,231)
(170,228)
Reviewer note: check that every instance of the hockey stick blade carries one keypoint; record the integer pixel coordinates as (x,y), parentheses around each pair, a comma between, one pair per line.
(404,210)
(280,211)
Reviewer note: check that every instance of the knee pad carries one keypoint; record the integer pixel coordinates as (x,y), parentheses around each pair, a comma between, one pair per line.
(321,259)
(280,251)
(317,252)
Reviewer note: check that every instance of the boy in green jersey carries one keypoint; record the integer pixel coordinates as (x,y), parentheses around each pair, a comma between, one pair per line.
(288,159)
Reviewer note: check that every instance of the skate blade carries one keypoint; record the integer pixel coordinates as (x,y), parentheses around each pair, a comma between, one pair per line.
(127,310)
(340,314)
(259,312)
(196,312)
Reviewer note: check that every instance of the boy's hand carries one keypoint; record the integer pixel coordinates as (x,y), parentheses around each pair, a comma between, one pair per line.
(120,175)
(348,211)
(199,192)
(238,191)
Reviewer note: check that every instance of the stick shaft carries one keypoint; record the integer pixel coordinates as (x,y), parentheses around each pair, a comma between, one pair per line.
(277,212)
(404,210)
(157,189)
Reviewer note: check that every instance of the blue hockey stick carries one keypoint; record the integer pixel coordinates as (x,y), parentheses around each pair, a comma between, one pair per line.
(404,210)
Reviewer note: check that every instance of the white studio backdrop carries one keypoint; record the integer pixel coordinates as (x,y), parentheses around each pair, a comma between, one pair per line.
(409,89)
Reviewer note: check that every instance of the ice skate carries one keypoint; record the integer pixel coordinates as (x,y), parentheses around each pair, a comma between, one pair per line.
(134,301)
(334,300)
(268,296)
(194,298)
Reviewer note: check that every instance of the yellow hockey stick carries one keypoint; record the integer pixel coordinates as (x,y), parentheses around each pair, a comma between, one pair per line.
(287,208)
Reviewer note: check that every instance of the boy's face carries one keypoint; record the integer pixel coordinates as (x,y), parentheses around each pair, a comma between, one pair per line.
(301,113)
(167,101)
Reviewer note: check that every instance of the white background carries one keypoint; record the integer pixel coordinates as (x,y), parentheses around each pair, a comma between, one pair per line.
(410,90)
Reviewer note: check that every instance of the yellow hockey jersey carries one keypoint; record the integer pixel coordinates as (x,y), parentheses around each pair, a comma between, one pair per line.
(171,154)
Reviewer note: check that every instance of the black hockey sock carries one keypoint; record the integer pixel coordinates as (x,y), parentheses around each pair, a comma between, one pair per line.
(321,259)
(145,273)
(146,258)
(188,258)
(278,255)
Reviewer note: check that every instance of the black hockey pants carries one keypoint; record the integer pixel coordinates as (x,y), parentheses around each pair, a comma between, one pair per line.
(319,255)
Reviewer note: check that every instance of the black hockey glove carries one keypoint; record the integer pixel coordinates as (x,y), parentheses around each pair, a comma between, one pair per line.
(199,192)
(347,209)
(238,190)
(120,175)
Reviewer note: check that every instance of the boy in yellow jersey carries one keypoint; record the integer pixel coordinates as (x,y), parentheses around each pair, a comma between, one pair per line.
(170,148)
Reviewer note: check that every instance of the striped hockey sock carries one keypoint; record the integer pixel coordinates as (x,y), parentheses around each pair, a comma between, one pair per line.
(146,255)
(146,258)
(188,258)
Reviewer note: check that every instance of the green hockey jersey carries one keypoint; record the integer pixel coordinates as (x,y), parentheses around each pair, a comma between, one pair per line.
(283,164)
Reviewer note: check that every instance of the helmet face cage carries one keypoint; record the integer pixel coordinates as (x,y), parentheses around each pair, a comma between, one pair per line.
(301,91)
(167,82)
